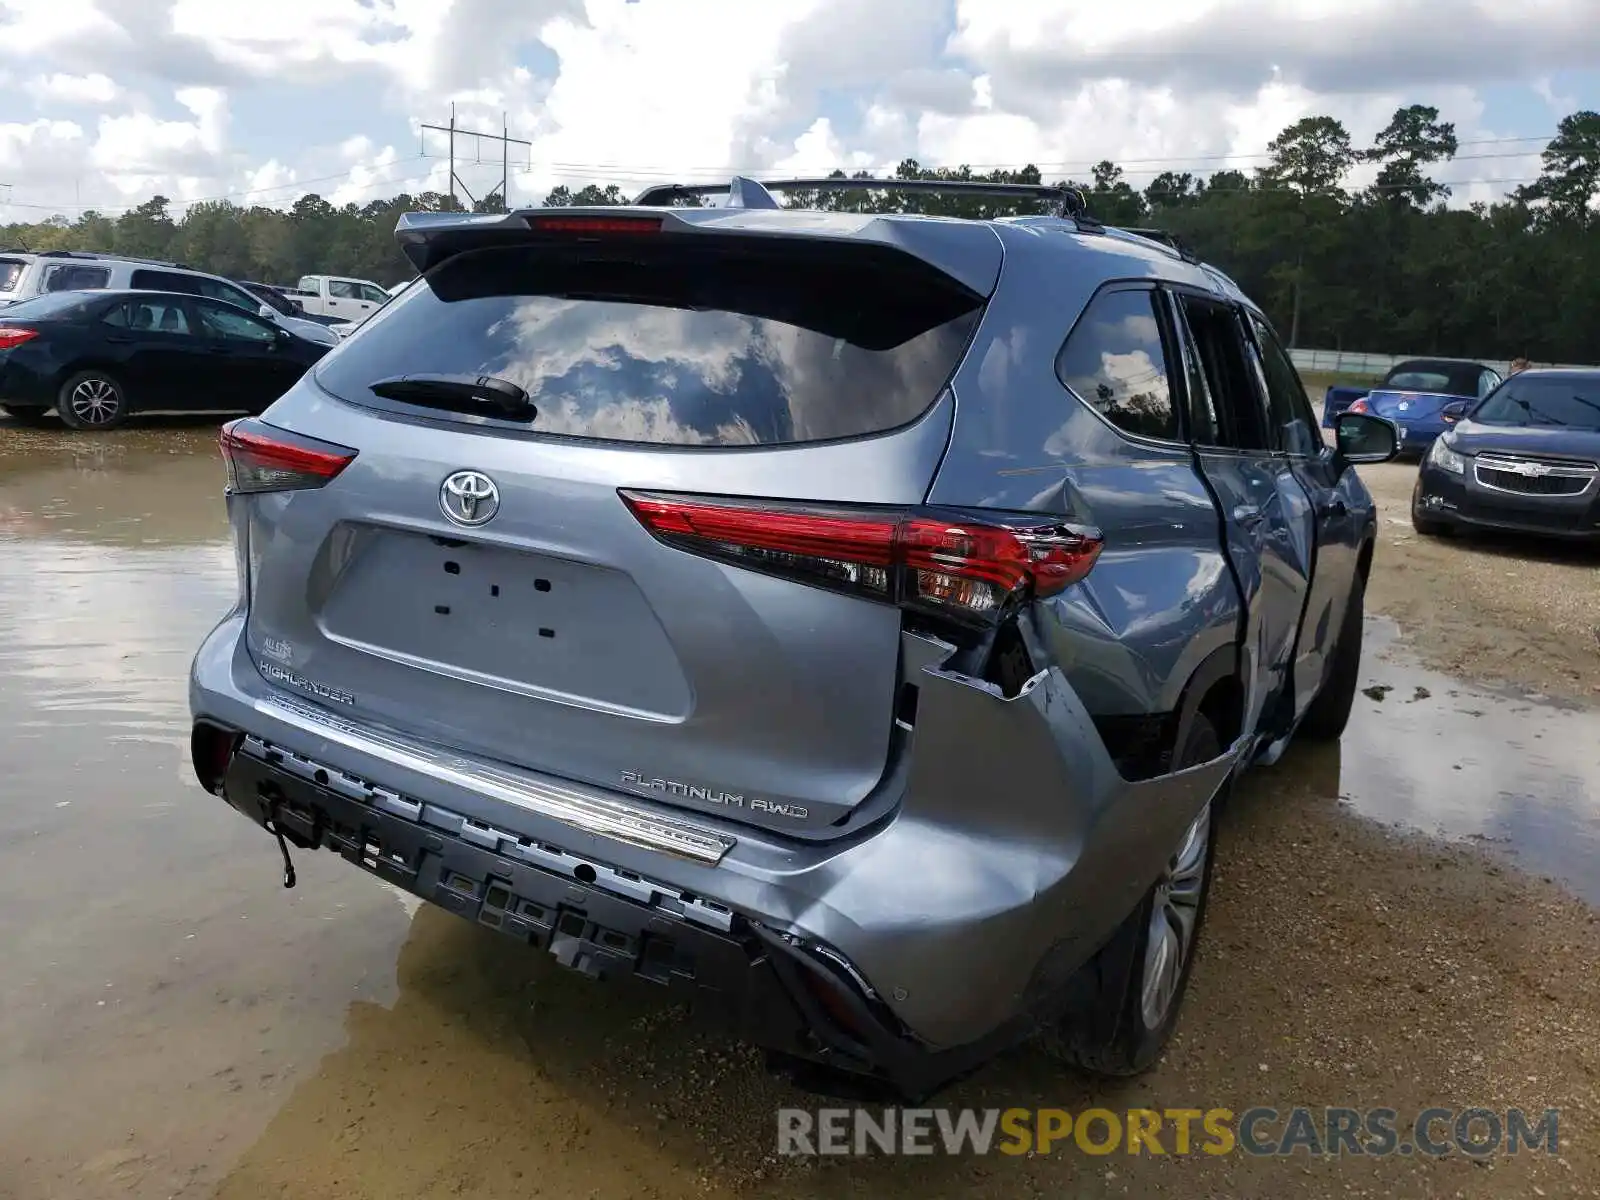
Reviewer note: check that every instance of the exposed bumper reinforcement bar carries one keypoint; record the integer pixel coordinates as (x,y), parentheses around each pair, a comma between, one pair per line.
(763,986)
(581,808)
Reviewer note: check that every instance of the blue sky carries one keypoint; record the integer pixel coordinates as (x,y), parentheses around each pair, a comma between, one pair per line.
(109,101)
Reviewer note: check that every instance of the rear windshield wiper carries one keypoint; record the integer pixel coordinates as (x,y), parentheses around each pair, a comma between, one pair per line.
(477,395)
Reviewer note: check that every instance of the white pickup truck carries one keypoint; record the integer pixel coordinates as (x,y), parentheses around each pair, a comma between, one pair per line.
(336,298)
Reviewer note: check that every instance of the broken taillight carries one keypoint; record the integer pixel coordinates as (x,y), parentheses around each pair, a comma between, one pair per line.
(263,458)
(974,568)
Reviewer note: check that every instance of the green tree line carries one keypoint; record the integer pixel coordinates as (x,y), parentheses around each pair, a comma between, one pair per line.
(1391,267)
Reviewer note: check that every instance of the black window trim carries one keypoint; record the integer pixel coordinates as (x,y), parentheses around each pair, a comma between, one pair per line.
(1169,344)
(1309,412)
(1176,292)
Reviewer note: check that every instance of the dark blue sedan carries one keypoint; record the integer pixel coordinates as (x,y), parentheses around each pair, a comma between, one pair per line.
(1526,459)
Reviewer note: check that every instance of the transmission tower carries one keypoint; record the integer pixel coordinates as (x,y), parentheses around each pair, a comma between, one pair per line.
(503,137)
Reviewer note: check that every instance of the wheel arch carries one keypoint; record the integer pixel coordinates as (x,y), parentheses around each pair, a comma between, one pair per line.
(1215,689)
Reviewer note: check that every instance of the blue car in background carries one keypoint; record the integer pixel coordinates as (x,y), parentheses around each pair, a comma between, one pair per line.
(1420,395)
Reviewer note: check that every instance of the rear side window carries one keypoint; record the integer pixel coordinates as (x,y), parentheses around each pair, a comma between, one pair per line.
(708,344)
(10,273)
(164,281)
(1116,361)
(343,289)
(76,278)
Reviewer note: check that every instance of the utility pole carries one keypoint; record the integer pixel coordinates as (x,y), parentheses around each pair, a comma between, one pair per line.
(503,137)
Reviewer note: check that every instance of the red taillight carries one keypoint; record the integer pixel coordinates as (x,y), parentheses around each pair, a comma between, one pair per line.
(975,568)
(595,225)
(12,336)
(261,458)
(1359,406)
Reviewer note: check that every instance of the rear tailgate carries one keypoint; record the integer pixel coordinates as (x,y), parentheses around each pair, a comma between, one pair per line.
(558,634)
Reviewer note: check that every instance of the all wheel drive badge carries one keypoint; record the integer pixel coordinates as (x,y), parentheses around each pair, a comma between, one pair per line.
(469,498)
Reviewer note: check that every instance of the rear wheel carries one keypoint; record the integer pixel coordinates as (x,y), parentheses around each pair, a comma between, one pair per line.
(25,414)
(1329,713)
(1132,989)
(92,400)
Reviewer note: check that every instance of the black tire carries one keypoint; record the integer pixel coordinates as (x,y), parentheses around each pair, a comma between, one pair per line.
(25,414)
(1329,713)
(1107,1030)
(92,400)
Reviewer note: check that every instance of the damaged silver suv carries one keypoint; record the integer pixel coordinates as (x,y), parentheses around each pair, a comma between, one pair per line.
(848,623)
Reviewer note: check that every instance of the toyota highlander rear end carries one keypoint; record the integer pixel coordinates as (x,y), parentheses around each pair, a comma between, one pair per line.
(590,591)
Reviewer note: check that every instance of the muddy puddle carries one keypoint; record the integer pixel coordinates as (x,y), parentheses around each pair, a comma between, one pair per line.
(1520,774)
(173,1023)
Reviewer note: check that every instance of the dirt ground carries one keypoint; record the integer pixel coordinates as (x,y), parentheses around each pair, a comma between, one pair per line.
(173,1024)
(1505,610)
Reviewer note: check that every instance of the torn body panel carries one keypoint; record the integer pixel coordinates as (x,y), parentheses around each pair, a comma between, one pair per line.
(982,867)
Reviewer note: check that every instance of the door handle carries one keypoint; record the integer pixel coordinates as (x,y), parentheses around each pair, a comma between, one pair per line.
(1334,508)
(120,339)
(1248,515)
(219,349)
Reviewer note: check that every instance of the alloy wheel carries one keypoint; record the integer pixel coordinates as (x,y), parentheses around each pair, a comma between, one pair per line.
(95,401)
(1174,914)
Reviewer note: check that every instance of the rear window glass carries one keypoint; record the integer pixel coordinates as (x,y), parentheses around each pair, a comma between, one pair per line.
(10,273)
(1560,402)
(1443,378)
(678,345)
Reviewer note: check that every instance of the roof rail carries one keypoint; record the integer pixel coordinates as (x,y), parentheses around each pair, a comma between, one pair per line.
(1172,240)
(101,254)
(751,193)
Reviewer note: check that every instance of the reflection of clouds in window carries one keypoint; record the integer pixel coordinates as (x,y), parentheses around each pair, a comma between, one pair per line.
(677,376)
(1115,362)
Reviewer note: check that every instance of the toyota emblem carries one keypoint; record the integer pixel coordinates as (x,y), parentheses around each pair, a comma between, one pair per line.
(469,498)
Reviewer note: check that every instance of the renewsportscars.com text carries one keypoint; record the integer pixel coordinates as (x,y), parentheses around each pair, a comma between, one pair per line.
(1260,1132)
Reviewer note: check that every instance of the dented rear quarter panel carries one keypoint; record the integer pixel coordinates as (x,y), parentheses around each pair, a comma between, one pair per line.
(1161,598)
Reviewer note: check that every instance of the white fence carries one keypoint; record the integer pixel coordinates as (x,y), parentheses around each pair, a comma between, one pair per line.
(1354,362)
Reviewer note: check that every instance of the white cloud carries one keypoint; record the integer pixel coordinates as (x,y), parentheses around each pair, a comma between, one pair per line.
(210,97)
(73,89)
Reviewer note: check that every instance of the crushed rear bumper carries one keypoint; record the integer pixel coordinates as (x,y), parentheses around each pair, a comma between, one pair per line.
(761,985)
(910,949)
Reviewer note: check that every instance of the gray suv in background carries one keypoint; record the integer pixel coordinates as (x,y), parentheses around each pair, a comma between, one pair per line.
(849,623)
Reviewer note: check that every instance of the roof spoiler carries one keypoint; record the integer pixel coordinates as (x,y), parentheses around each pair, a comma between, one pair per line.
(751,193)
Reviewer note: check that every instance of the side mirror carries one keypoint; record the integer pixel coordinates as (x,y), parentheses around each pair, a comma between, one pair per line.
(1455,411)
(266,312)
(1365,438)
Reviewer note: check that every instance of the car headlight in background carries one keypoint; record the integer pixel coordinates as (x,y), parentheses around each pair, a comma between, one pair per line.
(1442,456)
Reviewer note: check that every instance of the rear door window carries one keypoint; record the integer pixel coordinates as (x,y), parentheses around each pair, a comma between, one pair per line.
(164,281)
(1293,419)
(148,316)
(343,289)
(708,344)
(75,277)
(1230,378)
(1115,361)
